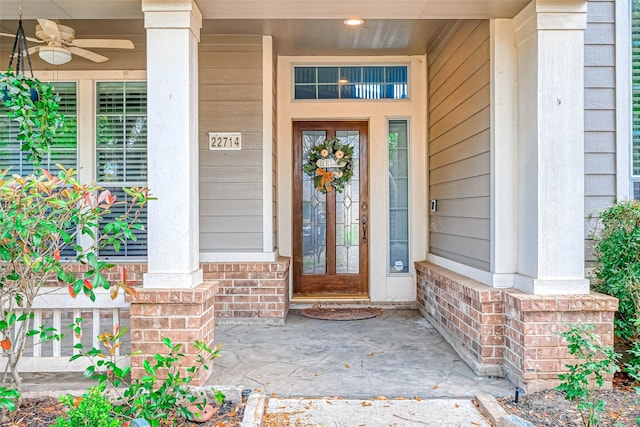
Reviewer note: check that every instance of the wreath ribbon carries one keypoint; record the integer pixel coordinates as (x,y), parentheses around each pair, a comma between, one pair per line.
(325,179)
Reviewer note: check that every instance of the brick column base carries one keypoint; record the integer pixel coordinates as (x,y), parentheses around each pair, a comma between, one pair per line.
(182,315)
(534,352)
(506,332)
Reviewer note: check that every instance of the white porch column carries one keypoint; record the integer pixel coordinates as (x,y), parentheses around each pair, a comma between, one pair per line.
(504,231)
(550,160)
(173,33)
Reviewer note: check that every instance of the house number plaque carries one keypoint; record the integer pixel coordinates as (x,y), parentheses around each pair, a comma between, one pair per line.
(221,141)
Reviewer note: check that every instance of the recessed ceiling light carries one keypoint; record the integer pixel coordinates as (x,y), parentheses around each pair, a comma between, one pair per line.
(343,80)
(354,22)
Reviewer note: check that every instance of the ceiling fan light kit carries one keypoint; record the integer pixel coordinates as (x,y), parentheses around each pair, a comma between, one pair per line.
(54,55)
(57,44)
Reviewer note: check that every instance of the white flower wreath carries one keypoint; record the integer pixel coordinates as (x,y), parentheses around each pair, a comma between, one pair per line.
(331,165)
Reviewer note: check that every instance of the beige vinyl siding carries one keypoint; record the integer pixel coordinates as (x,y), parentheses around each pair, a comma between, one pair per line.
(230,74)
(599,114)
(459,142)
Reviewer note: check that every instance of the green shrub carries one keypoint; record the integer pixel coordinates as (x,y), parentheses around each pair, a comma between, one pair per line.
(92,410)
(42,214)
(594,362)
(163,393)
(617,271)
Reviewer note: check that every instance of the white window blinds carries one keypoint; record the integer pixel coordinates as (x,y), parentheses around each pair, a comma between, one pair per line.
(121,150)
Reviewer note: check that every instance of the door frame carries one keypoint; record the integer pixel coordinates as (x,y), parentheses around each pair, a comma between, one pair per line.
(342,285)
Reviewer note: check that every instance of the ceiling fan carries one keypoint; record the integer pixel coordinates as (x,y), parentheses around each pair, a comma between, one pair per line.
(59,43)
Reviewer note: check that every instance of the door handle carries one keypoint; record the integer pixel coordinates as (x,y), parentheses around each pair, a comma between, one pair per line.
(364,218)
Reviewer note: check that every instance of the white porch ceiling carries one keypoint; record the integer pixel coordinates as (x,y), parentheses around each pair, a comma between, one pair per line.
(271,9)
(299,27)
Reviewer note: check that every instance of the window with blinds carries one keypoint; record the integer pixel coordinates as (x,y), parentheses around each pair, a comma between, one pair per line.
(350,82)
(63,151)
(635,75)
(121,150)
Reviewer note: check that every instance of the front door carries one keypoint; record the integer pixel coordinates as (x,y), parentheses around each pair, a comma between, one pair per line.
(330,236)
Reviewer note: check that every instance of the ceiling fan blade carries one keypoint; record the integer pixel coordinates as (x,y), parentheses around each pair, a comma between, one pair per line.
(13,36)
(50,28)
(91,56)
(103,43)
(34,50)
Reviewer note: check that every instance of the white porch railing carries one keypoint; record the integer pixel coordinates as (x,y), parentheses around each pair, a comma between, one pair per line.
(55,308)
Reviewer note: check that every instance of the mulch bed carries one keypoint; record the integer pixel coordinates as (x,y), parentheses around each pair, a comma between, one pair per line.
(550,408)
(341,313)
(44,412)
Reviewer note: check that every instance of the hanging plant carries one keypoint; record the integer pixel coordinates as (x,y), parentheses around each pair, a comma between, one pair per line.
(331,165)
(34,106)
(30,102)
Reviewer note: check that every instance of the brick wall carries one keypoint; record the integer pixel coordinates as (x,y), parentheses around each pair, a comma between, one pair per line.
(470,313)
(506,331)
(250,292)
(245,292)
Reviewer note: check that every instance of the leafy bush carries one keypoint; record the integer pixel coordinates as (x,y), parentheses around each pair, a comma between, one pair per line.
(92,410)
(617,271)
(8,399)
(595,361)
(159,396)
(40,215)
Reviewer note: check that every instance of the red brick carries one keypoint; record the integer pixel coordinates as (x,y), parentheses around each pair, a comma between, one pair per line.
(541,341)
(149,310)
(178,322)
(151,335)
(270,298)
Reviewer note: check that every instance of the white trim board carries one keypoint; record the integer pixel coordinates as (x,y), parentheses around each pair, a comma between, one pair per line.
(623,100)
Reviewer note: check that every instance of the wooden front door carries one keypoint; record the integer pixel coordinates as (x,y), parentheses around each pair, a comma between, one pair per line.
(330,235)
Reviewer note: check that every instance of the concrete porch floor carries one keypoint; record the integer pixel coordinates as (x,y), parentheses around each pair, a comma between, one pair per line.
(398,354)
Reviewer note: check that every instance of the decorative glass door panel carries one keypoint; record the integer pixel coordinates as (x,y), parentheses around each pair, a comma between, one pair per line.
(314,215)
(348,213)
(329,223)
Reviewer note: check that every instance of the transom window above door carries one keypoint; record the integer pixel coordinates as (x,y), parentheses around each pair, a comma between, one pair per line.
(351,82)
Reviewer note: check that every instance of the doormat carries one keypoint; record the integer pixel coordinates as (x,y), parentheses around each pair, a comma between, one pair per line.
(341,313)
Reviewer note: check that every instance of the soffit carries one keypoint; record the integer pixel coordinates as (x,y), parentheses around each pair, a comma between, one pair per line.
(313,27)
(292,37)
(272,9)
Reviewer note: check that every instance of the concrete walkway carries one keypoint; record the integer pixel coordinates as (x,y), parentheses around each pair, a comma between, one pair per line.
(398,354)
(372,413)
